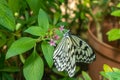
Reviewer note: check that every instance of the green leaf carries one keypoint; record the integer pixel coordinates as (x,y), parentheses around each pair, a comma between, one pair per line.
(86,76)
(43,20)
(113,34)
(104,74)
(80,78)
(48,52)
(59,33)
(62,1)
(20,46)
(118,5)
(107,68)
(64,74)
(116,70)
(10,69)
(35,30)
(113,75)
(6,17)
(116,13)
(2,39)
(14,5)
(34,5)
(53,77)
(7,76)
(56,17)
(62,23)
(3,2)
(33,67)
(82,15)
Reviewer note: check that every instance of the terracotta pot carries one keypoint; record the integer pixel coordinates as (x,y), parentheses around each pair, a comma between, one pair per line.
(105,54)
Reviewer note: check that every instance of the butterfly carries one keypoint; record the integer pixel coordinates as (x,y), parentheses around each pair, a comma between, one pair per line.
(72,49)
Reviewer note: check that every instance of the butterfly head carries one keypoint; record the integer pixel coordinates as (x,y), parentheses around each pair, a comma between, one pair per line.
(67,33)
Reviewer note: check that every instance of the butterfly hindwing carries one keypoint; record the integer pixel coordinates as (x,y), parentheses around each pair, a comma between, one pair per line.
(71,66)
(60,56)
(63,56)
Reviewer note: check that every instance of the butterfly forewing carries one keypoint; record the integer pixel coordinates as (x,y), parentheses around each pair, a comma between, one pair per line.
(83,52)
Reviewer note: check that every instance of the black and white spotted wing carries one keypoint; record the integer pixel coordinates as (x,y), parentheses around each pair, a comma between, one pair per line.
(82,51)
(70,50)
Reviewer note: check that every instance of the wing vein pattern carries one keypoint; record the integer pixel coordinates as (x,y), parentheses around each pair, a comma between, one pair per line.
(70,50)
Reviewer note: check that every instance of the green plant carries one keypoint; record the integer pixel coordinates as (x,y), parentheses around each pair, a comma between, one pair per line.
(29,30)
(85,76)
(114,34)
(25,38)
(110,73)
(28,33)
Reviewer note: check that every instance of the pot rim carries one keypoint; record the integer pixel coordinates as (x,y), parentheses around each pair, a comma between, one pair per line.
(110,51)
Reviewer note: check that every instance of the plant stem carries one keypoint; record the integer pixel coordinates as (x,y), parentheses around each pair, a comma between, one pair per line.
(98,27)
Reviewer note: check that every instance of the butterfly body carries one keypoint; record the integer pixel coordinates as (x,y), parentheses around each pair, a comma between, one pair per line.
(70,50)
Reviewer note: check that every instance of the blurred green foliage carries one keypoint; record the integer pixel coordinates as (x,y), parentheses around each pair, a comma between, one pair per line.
(27,26)
(114,34)
(110,73)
